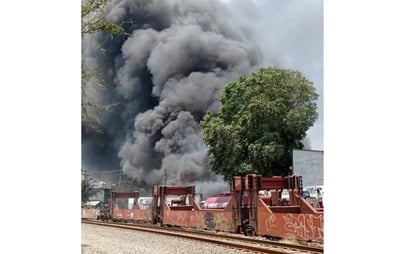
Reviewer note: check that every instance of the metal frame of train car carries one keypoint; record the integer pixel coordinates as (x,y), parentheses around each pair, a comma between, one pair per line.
(296,219)
(90,213)
(254,215)
(273,216)
(186,212)
(90,210)
(136,214)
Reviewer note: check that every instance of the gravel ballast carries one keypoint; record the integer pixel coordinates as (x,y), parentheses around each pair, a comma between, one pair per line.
(107,240)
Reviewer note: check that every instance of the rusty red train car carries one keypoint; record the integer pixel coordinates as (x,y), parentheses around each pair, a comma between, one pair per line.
(295,218)
(186,212)
(119,208)
(243,210)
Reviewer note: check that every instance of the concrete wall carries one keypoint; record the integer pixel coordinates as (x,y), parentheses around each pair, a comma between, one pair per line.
(308,164)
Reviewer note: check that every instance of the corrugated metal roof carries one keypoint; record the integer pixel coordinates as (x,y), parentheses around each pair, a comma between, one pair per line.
(92,203)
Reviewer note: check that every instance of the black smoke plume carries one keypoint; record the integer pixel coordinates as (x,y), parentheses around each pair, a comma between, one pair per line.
(162,77)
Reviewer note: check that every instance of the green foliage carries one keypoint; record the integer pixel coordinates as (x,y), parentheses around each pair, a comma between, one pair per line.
(88,188)
(91,111)
(93,15)
(93,21)
(94,18)
(263,117)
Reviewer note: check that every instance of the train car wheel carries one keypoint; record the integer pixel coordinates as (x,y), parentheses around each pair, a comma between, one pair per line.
(249,231)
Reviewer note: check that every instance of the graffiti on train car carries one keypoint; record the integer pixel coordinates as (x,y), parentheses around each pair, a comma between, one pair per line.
(306,226)
(210,220)
(245,211)
(218,220)
(302,226)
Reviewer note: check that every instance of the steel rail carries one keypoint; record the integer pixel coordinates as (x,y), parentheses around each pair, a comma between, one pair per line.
(255,245)
(238,237)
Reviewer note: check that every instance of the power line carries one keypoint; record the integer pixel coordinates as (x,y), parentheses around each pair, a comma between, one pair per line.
(104,172)
(86,172)
(165,176)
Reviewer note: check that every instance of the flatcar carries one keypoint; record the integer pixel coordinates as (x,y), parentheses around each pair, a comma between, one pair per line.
(243,210)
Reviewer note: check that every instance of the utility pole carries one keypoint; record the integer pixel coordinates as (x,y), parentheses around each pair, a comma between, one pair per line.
(85,186)
(85,174)
(165,177)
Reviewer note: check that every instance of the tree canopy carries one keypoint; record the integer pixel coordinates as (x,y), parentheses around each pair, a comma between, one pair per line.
(263,117)
(94,18)
(88,189)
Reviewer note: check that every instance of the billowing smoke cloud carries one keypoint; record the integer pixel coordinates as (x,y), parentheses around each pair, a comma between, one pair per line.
(162,78)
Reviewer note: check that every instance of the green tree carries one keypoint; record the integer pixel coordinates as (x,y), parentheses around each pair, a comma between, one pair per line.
(263,117)
(93,21)
(88,188)
(94,18)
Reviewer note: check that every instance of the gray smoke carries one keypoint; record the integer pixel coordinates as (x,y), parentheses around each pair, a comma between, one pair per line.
(163,77)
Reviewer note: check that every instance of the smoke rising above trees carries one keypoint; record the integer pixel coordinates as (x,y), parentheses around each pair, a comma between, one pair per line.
(163,76)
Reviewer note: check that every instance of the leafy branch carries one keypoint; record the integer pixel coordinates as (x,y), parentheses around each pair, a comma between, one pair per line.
(93,14)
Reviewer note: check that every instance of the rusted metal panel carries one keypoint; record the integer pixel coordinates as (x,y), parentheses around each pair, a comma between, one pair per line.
(237,184)
(119,213)
(141,215)
(137,214)
(294,225)
(132,214)
(311,207)
(273,183)
(206,219)
(89,213)
(178,190)
(132,194)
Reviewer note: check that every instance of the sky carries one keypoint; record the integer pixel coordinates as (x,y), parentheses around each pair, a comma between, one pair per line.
(366,125)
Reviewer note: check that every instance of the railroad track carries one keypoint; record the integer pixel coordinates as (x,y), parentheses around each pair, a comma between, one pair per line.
(232,241)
